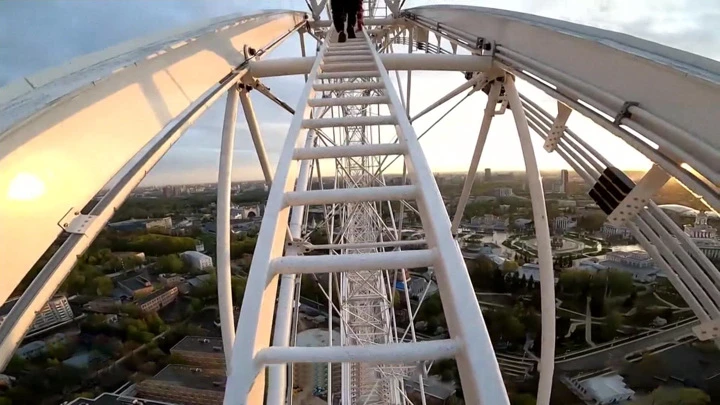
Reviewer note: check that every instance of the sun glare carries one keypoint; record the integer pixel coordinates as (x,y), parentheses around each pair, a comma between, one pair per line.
(25,187)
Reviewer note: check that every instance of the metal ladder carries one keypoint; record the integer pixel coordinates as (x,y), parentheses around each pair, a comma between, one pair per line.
(469,343)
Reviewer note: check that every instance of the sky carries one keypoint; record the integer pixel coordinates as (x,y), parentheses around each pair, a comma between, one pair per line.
(40,34)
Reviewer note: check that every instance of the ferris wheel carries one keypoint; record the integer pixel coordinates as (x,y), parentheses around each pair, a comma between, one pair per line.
(66,132)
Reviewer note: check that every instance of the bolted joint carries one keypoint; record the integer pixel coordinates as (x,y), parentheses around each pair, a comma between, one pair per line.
(625,111)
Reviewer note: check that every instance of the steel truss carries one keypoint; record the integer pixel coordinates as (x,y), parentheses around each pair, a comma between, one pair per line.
(348,93)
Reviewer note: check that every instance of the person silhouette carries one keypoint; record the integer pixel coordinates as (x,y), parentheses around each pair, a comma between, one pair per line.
(344,10)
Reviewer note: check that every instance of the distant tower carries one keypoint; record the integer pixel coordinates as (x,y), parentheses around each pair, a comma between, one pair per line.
(488,174)
(564,177)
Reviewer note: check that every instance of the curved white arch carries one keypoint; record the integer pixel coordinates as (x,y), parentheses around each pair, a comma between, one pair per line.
(68,131)
(676,91)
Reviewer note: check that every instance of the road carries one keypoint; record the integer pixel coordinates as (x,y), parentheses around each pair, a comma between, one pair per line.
(598,357)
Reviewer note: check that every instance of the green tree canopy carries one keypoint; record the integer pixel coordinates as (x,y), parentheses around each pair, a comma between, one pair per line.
(676,396)
(170,264)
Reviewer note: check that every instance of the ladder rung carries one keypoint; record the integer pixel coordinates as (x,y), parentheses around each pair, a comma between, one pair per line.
(348,151)
(339,195)
(395,353)
(347,53)
(400,259)
(348,86)
(349,121)
(349,67)
(349,75)
(327,60)
(347,47)
(338,101)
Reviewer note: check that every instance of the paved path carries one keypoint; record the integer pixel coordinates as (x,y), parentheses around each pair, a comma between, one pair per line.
(599,356)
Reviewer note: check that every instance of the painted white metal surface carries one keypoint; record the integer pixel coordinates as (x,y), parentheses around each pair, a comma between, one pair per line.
(616,63)
(154,81)
(297,66)
(224,187)
(58,160)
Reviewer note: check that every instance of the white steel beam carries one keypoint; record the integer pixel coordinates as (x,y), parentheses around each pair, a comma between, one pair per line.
(477,365)
(442,100)
(542,232)
(348,151)
(352,262)
(349,121)
(334,196)
(245,386)
(277,375)
(377,354)
(42,288)
(50,133)
(369,22)
(480,144)
(346,101)
(224,276)
(417,61)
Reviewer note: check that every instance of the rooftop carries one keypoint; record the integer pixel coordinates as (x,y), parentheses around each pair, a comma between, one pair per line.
(153,295)
(317,338)
(183,376)
(114,399)
(200,344)
(606,387)
(195,253)
(9,304)
(134,283)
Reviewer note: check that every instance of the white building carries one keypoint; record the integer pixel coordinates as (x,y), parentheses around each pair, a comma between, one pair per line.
(197,260)
(563,223)
(590,265)
(636,262)
(609,389)
(704,236)
(504,192)
(489,221)
(161,223)
(609,230)
(528,270)
(315,375)
(55,312)
(709,247)
(701,229)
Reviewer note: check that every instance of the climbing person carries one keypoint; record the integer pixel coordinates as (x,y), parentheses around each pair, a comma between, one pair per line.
(360,13)
(343,10)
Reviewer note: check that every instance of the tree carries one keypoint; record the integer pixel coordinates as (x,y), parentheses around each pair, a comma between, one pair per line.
(630,300)
(58,351)
(591,223)
(430,308)
(512,329)
(239,248)
(574,281)
(522,399)
(103,285)
(16,365)
(619,283)
(562,326)
(170,264)
(510,265)
(677,396)
(612,322)
(498,281)
(238,289)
